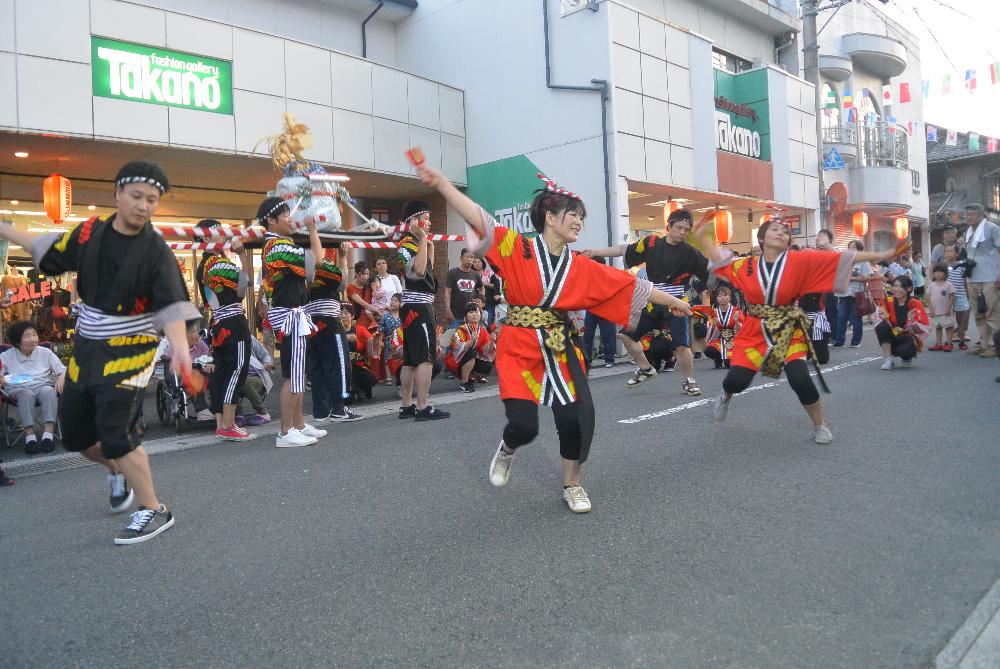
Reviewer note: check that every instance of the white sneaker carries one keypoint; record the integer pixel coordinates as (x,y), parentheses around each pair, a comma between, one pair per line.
(887,365)
(292,439)
(500,467)
(823,435)
(310,431)
(721,409)
(205,415)
(907,363)
(576,499)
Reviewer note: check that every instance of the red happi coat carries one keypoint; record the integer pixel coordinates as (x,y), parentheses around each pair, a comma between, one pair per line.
(917,325)
(526,368)
(731,319)
(462,340)
(795,273)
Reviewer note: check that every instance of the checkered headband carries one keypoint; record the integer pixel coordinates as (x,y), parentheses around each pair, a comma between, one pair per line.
(553,187)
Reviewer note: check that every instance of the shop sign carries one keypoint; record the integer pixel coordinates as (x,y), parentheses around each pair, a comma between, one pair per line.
(742,114)
(126,71)
(505,188)
(30,291)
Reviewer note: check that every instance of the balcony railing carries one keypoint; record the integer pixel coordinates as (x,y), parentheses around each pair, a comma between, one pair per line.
(884,145)
(841,134)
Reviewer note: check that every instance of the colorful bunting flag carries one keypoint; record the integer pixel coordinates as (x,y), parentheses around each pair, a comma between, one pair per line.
(973,141)
(847,98)
(852,115)
(904,93)
(909,128)
(946,85)
(991,145)
(831,100)
(970,79)
(995,73)
(927,88)
(886,96)
(931,133)
(952,138)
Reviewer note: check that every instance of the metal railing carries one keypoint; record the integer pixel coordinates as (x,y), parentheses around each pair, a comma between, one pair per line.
(883,145)
(841,134)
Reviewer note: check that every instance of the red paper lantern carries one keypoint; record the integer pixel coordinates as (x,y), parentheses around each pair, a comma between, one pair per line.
(860,220)
(723,226)
(902,225)
(669,208)
(57,194)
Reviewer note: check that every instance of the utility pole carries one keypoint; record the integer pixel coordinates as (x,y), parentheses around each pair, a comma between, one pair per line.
(810,10)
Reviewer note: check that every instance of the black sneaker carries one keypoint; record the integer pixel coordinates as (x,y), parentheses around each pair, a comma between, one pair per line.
(408,412)
(47,445)
(121,493)
(145,524)
(31,447)
(432,413)
(345,416)
(4,480)
(467,387)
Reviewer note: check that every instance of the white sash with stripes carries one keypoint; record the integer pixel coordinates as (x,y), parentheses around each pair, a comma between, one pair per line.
(93,323)
(297,324)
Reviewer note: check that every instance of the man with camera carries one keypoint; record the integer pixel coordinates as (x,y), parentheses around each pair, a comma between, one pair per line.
(982,239)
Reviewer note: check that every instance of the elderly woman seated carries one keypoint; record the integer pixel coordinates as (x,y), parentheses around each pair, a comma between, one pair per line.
(32,373)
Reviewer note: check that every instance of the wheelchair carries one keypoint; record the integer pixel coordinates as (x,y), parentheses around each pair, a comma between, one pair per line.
(174,406)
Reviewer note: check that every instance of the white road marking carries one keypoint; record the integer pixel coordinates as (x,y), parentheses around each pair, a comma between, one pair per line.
(760,386)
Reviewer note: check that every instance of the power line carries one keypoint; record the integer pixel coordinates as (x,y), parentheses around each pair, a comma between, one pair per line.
(985,24)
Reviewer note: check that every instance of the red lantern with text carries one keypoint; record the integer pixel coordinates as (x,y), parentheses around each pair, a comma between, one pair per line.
(669,208)
(57,194)
(860,220)
(902,226)
(723,226)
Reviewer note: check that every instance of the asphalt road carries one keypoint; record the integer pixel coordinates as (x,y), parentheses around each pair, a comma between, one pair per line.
(739,544)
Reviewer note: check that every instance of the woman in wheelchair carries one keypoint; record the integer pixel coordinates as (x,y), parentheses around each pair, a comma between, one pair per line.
(32,374)
(172,399)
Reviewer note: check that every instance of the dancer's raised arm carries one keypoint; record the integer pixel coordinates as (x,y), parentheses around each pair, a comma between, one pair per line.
(466,208)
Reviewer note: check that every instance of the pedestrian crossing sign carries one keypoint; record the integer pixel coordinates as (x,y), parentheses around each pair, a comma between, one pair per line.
(834,161)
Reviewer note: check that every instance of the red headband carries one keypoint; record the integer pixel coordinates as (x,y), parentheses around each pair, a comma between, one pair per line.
(553,187)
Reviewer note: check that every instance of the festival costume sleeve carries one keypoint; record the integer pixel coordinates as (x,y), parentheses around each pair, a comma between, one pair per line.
(918,323)
(699,264)
(55,253)
(613,294)
(408,249)
(827,272)
(635,254)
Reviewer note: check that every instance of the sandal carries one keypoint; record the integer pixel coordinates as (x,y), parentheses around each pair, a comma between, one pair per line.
(935,347)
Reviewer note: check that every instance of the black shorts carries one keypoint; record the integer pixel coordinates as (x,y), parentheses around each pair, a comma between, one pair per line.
(481,366)
(419,336)
(285,351)
(231,356)
(102,400)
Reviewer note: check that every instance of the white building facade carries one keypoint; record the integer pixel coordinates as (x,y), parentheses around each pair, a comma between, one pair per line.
(697,109)
(882,145)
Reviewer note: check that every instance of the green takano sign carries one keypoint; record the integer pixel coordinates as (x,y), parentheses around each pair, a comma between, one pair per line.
(742,114)
(505,189)
(127,71)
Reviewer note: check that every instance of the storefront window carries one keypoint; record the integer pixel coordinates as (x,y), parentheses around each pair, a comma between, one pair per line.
(729,63)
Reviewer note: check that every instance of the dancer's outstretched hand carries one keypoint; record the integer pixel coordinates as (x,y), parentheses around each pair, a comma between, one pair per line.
(683,309)
(430,176)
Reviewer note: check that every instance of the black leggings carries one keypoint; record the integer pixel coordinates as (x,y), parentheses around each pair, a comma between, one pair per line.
(901,346)
(522,426)
(822,348)
(797,371)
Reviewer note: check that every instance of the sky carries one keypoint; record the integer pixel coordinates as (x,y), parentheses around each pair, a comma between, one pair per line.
(966,35)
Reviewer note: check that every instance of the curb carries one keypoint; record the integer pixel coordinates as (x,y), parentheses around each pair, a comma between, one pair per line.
(45,464)
(976,644)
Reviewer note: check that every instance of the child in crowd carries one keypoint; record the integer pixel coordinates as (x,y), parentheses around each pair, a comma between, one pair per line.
(724,324)
(956,275)
(380,297)
(942,298)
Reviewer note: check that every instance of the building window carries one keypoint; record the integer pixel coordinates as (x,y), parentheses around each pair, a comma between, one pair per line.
(727,62)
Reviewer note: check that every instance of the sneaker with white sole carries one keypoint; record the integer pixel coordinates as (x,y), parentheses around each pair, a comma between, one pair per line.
(235,433)
(690,387)
(887,364)
(310,431)
(121,494)
(823,435)
(721,409)
(640,375)
(204,415)
(576,499)
(292,439)
(144,525)
(345,415)
(907,363)
(500,467)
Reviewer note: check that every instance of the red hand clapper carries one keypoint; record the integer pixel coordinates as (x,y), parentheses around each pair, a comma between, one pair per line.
(416,156)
